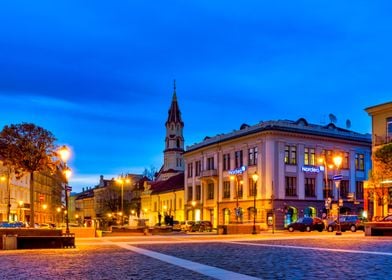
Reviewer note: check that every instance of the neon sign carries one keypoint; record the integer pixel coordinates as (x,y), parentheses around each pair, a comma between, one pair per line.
(311,169)
(237,170)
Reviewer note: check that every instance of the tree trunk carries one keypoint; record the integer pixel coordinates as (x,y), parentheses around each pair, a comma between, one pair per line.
(32,199)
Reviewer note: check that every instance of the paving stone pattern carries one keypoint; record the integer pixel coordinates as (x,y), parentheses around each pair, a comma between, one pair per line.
(277,260)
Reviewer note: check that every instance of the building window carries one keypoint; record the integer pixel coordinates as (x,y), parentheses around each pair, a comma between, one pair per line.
(226,162)
(252,191)
(346,160)
(310,187)
(226,189)
(328,190)
(210,163)
(198,192)
(238,159)
(359,161)
(190,194)
(389,127)
(198,168)
(190,170)
(309,156)
(240,190)
(290,155)
(359,190)
(344,188)
(291,186)
(252,156)
(210,191)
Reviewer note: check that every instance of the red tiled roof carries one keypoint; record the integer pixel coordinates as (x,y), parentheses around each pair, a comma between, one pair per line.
(174,183)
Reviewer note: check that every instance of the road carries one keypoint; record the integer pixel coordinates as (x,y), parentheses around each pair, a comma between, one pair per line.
(281,255)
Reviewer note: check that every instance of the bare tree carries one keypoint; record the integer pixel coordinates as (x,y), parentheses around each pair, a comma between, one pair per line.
(27,148)
(150,173)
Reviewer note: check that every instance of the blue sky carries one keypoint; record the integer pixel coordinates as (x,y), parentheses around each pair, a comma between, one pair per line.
(99,75)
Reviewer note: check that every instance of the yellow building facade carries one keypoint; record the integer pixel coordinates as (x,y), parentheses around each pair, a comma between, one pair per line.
(378,190)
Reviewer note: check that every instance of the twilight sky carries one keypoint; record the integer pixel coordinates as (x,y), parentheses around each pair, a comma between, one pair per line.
(99,74)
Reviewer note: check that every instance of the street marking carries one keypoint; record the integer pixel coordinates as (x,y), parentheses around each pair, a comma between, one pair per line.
(313,248)
(207,270)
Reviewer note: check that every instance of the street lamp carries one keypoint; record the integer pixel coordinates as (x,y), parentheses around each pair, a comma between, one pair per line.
(337,160)
(58,209)
(255,177)
(122,180)
(6,178)
(21,203)
(64,154)
(323,161)
(44,207)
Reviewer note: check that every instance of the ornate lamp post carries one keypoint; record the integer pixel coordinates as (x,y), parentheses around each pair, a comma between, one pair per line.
(44,207)
(255,177)
(21,203)
(121,180)
(337,160)
(65,153)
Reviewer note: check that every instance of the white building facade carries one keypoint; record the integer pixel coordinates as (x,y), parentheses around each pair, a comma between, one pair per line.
(219,184)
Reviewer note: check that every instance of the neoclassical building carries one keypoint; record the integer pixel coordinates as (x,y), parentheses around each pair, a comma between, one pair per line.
(292,160)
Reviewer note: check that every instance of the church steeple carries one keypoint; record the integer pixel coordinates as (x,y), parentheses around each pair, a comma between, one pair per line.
(174,141)
(174,115)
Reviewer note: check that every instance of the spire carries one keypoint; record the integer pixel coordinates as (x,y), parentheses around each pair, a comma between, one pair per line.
(174,114)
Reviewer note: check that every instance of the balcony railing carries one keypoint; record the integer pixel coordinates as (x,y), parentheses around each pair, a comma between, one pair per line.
(209,173)
(381,139)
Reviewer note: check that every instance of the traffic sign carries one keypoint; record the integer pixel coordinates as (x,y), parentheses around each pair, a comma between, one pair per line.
(338,177)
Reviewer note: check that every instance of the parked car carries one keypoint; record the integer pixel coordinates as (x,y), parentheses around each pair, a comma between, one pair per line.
(187,225)
(306,224)
(387,218)
(202,226)
(348,222)
(45,225)
(176,226)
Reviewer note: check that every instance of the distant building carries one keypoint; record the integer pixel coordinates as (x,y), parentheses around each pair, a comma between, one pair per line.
(15,196)
(101,204)
(291,182)
(378,191)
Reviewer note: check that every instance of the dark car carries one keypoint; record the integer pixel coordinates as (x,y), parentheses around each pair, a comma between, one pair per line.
(387,218)
(306,224)
(348,222)
(202,226)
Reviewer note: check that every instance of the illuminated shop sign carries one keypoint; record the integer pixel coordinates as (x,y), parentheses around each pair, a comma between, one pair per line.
(311,169)
(237,170)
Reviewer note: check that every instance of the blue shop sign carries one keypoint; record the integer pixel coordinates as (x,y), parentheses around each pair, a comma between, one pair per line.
(237,170)
(310,169)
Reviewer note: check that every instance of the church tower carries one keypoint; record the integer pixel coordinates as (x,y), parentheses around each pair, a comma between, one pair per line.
(174,141)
